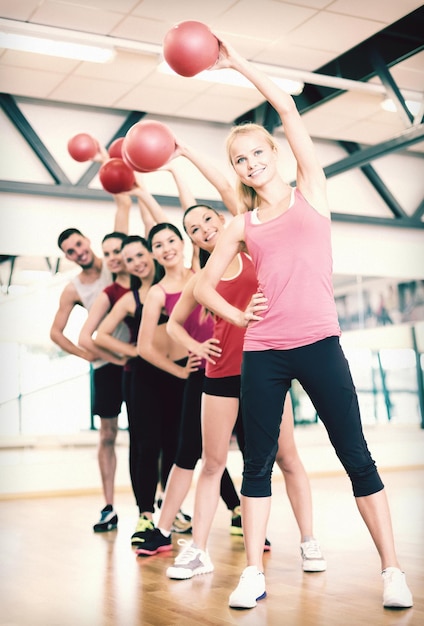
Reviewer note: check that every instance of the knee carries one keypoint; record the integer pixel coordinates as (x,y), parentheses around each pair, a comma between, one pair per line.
(212,465)
(108,434)
(365,480)
(288,463)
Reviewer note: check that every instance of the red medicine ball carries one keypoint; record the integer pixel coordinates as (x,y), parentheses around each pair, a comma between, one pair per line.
(190,47)
(116,176)
(148,145)
(83,147)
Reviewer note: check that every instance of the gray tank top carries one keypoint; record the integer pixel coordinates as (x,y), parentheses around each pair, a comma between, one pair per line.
(88,292)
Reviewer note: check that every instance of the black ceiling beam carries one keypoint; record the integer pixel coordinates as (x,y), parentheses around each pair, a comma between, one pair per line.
(392,89)
(20,122)
(407,138)
(419,212)
(91,171)
(79,193)
(376,181)
(394,44)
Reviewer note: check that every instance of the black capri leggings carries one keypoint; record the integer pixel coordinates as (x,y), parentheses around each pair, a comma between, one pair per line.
(190,436)
(323,371)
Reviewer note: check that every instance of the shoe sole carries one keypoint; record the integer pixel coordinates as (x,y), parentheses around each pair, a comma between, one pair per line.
(145,552)
(180,574)
(105,530)
(244,605)
(180,531)
(310,569)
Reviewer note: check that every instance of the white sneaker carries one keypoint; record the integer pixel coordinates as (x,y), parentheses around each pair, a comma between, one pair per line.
(312,559)
(396,592)
(250,588)
(190,562)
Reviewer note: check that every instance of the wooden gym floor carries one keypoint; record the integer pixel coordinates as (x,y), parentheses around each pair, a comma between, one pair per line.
(56,572)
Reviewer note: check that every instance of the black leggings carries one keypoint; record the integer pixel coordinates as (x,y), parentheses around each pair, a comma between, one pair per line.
(190,437)
(323,371)
(154,407)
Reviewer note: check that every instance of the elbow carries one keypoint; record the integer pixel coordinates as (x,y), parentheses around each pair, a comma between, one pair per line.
(53,335)
(170,329)
(142,352)
(82,341)
(198,292)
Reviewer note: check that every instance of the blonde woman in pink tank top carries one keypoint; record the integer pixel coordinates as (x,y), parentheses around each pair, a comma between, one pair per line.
(292,330)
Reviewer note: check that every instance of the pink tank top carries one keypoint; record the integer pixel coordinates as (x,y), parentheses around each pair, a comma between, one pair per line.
(199,324)
(293,262)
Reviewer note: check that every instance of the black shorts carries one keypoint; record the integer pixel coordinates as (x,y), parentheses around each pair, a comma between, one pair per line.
(226,387)
(107,390)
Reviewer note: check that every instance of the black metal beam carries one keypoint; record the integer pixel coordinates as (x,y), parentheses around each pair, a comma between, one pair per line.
(376,181)
(419,211)
(407,138)
(392,89)
(80,193)
(20,122)
(395,43)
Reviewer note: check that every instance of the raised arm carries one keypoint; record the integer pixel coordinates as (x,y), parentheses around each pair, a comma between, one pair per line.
(310,175)
(99,309)
(122,214)
(212,174)
(149,202)
(208,349)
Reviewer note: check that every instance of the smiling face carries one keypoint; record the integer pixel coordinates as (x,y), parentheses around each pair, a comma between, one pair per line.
(138,260)
(253,157)
(167,248)
(77,249)
(203,226)
(113,256)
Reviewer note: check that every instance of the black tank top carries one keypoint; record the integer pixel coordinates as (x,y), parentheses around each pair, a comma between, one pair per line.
(133,322)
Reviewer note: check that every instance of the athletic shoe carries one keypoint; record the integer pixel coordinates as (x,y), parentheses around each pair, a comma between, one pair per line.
(312,559)
(190,562)
(108,520)
(236,527)
(153,543)
(142,530)
(250,589)
(181,524)
(396,592)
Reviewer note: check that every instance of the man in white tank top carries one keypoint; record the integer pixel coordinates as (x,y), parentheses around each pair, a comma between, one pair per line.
(82,290)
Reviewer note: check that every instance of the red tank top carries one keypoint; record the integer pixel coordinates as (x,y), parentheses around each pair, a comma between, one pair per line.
(238,292)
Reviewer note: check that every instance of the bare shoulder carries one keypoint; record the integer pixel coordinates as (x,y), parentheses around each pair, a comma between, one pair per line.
(70,295)
(236,226)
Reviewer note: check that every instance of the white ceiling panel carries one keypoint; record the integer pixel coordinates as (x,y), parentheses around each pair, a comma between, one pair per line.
(334,32)
(387,11)
(76,16)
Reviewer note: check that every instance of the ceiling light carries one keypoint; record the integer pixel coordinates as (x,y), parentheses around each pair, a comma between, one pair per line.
(235,79)
(56,48)
(413,106)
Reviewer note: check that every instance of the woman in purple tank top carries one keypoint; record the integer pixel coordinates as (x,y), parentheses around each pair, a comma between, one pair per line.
(290,334)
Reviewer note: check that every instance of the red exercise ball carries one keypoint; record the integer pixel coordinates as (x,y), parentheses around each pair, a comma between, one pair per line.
(116,176)
(115,148)
(83,147)
(190,47)
(148,145)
